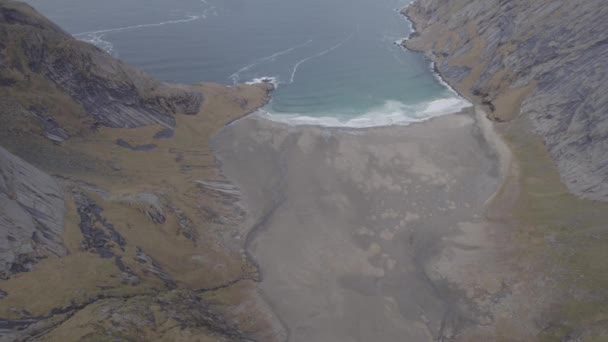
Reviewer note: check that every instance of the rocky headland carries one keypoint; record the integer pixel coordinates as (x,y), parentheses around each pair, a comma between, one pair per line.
(538,68)
(542,60)
(116,222)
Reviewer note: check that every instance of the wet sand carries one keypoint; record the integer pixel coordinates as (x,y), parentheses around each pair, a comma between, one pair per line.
(369,234)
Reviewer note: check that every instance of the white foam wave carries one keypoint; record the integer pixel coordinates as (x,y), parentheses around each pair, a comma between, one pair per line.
(266,79)
(404,11)
(236,76)
(441,80)
(96,37)
(399,42)
(391,113)
(118,29)
(433,65)
(322,53)
(412,29)
(97,40)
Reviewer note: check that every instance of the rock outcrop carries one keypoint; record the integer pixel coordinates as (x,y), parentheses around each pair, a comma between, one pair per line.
(35,52)
(31,215)
(539,70)
(105,233)
(545,60)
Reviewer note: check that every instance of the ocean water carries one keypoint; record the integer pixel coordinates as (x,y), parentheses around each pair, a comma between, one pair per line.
(334,62)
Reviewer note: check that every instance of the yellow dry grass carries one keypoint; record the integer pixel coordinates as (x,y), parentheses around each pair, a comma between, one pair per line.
(170,170)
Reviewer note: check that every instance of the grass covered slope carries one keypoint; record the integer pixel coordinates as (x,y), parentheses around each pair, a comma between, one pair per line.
(539,69)
(545,60)
(118,222)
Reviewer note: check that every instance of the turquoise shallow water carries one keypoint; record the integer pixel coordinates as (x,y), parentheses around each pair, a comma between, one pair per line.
(335,62)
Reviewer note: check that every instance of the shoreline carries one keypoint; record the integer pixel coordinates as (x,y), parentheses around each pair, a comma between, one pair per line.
(509,167)
(392,113)
(283,154)
(183,212)
(549,262)
(264,217)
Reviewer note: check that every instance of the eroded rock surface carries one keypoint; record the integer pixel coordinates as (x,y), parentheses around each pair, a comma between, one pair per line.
(121,242)
(36,52)
(31,215)
(542,59)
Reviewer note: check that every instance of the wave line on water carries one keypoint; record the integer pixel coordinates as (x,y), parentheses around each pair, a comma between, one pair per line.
(118,29)
(320,54)
(97,40)
(390,113)
(235,77)
(96,37)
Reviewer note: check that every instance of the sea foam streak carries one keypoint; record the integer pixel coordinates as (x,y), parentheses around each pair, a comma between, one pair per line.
(235,77)
(190,18)
(440,79)
(266,79)
(322,53)
(97,40)
(391,113)
(96,37)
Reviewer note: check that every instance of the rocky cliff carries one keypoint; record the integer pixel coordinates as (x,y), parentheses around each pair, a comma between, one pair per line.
(117,224)
(34,53)
(31,219)
(115,220)
(539,70)
(544,60)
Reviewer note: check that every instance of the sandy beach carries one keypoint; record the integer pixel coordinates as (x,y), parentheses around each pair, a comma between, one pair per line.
(321,185)
(370,234)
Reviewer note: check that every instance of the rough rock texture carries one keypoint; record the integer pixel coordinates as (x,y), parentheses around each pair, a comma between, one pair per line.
(117,95)
(125,144)
(31,215)
(538,68)
(34,51)
(105,232)
(542,59)
(98,234)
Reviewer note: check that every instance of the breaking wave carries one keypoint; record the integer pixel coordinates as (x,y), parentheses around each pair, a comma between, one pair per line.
(391,113)
(265,79)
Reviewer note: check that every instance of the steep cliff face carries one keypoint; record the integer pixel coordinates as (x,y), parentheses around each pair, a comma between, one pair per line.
(35,53)
(546,60)
(31,219)
(539,69)
(114,219)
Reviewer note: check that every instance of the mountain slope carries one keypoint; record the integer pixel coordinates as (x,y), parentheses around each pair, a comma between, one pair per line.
(538,69)
(545,60)
(114,218)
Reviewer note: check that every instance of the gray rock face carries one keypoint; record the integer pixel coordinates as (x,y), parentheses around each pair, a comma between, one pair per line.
(98,234)
(559,46)
(51,128)
(164,134)
(116,94)
(126,144)
(33,50)
(31,215)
